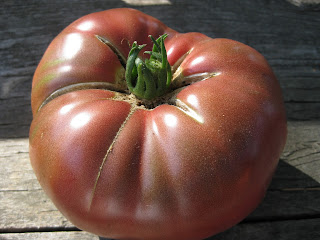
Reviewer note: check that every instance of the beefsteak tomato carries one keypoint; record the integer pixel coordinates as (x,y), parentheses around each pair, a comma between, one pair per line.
(134,148)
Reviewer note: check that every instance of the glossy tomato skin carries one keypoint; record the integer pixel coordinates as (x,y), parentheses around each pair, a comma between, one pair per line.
(77,56)
(187,169)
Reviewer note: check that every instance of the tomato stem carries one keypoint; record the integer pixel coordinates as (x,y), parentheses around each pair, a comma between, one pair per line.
(150,78)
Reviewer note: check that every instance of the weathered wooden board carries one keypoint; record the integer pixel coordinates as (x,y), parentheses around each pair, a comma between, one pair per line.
(286,35)
(303,148)
(277,230)
(32,211)
(291,200)
(66,235)
(306,4)
(273,230)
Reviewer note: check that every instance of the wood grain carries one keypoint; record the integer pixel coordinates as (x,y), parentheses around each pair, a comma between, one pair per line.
(147,2)
(289,202)
(303,148)
(283,230)
(306,4)
(277,230)
(49,236)
(286,34)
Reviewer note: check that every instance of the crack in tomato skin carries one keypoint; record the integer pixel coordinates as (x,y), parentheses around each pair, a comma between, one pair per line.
(132,110)
(116,51)
(189,111)
(181,81)
(103,66)
(83,86)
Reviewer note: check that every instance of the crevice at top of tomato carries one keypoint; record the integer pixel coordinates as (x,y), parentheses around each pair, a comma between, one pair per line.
(120,56)
(174,81)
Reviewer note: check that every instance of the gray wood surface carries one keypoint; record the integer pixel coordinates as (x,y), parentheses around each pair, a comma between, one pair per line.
(291,202)
(286,34)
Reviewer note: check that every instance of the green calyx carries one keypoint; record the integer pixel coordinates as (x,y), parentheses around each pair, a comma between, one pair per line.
(150,78)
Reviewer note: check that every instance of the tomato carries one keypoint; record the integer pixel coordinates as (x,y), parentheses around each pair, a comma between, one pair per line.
(187,158)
